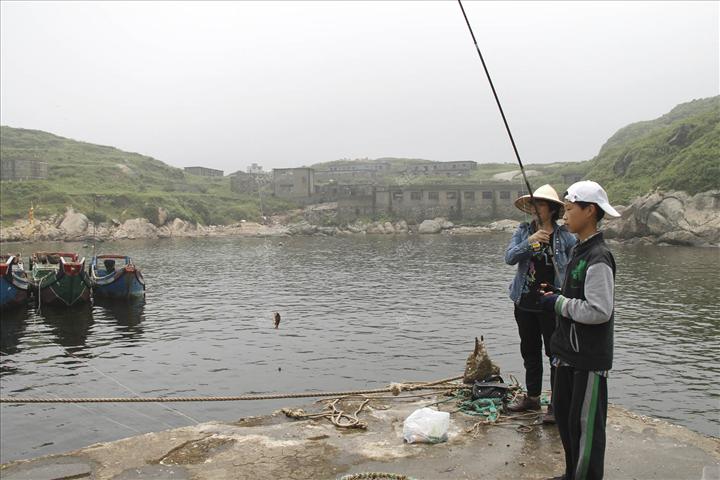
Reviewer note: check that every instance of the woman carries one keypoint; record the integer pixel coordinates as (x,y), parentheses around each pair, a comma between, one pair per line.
(541,250)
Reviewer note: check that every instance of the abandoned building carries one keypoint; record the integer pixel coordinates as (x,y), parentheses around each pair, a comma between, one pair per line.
(204,171)
(19,168)
(416,203)
(296,184)
(255,168)
(354,169)
(241,182)
(442,168)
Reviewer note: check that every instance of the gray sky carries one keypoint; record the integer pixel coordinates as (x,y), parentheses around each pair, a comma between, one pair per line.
(285,84)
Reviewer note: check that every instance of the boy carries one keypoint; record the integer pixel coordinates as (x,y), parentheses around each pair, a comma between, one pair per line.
(583,340)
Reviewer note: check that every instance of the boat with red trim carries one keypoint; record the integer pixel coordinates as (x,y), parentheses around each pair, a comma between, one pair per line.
(59,278)
(13,281)
(116,276)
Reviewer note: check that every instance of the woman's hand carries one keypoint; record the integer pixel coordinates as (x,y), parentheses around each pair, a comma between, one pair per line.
(540,236)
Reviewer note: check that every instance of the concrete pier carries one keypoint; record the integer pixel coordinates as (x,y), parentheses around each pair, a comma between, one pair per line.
(276,447)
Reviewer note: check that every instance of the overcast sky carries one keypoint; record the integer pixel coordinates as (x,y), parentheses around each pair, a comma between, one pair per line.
(286,84)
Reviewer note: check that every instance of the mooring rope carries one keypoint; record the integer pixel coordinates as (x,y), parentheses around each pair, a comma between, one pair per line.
(375,476)
(394,388)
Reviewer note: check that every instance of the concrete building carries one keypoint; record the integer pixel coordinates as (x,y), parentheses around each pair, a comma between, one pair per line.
(353,170)
(416,203)
(294,183)
(204,171)
(443,168)
(255,168)
(241,182)
(19,168)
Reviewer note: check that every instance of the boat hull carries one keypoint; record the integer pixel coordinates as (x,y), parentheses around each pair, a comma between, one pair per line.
(124,284)
(57,288)
(12,294)
(66,291)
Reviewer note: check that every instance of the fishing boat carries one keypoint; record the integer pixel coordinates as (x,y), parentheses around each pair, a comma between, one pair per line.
(59,278)
(116,276)
(13,282)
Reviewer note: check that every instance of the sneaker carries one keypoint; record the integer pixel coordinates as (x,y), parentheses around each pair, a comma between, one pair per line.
(549,417)
(525,404)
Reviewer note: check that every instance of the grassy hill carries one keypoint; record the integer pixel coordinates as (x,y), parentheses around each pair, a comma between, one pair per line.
(104,182)
(678,151)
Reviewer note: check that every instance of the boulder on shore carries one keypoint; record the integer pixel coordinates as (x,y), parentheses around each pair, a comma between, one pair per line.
(74,224)
(430,226)
(674,218)
(136,228)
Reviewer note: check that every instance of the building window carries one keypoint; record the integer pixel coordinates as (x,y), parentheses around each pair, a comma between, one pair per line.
(504,195)
(397,196)
(451,195)
(433,196)
(415,195)
(487,195)
(469,195)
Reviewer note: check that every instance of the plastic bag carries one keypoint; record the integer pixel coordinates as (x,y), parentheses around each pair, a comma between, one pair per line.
(426,425)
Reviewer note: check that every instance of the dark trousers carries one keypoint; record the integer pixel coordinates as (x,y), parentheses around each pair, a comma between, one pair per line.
(580,405)
(535,328)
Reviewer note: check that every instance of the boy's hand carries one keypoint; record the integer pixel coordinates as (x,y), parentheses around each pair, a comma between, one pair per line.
(546,288)
(547,301)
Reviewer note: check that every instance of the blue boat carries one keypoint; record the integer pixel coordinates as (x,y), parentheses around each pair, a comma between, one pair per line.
(116,276)
(13,282)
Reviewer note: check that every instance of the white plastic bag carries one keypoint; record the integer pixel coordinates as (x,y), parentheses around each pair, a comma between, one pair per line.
(426,425)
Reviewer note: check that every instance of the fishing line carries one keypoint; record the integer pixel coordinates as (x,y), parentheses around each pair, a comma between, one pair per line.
(507,128)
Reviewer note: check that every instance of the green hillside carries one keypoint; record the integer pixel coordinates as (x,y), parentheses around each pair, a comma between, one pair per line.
(678,151)
(106,183)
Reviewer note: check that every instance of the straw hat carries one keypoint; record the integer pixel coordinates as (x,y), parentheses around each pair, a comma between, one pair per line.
(546,192)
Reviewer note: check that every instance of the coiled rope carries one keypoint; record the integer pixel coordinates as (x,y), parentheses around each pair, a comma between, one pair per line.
(375,475)
(394,388)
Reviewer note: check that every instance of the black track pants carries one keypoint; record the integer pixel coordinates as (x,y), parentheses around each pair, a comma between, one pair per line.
(580,405)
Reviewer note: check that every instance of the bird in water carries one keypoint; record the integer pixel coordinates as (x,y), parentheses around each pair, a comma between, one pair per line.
(276,319)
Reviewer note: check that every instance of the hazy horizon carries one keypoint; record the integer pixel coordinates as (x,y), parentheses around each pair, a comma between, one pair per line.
(282,84)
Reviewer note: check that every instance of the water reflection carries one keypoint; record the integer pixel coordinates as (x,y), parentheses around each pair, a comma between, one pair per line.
(127,314)
(12,330)
(70,327)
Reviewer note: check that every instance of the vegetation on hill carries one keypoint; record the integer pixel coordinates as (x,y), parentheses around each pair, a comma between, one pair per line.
(678,151)
(107,183)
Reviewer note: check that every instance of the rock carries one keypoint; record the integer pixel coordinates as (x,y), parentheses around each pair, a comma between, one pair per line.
(444,223)
(162,216)
(681,237)
(136,228)
(429,226)
(327,230)
(401,226)
(301,228)
(375,228)
(388,227)
(670,213)
(74,224)
(504,225)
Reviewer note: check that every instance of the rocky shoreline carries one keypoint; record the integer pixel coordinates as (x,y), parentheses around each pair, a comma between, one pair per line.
(659,218)
(75,226)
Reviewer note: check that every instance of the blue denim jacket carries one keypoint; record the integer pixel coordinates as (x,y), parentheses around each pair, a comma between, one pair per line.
(519,251)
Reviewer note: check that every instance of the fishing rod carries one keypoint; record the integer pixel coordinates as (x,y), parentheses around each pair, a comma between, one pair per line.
(507,128)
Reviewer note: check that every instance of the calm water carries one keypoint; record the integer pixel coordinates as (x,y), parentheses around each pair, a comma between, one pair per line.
(357,312)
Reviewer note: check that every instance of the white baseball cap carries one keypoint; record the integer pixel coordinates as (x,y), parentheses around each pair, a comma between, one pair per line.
(591,192)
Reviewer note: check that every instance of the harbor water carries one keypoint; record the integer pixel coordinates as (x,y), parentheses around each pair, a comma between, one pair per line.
(357,312)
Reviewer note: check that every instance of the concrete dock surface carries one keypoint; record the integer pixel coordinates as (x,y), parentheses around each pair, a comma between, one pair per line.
(277,447)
